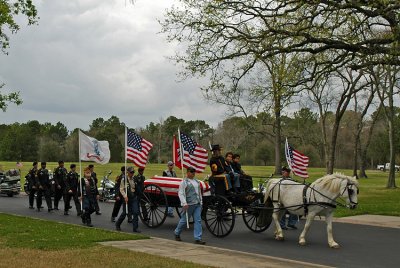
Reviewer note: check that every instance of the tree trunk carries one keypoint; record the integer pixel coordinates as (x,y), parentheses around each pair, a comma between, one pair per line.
(278,138)
(332,152)
(391,180)
(355,156)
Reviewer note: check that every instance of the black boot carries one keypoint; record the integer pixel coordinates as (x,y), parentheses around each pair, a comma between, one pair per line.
(83,216)
(89,223)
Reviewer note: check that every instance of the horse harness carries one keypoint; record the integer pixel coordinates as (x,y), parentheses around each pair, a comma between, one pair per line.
(306,201)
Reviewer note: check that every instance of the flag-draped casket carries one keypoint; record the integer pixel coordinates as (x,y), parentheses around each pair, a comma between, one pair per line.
(170,186)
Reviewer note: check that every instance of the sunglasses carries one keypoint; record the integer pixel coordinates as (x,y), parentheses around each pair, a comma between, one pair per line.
(192,171)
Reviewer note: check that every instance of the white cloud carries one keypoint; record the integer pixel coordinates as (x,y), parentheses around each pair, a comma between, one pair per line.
(88,59)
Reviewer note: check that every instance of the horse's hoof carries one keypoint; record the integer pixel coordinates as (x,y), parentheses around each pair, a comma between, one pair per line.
(335,246)
(279,238)
(302,243)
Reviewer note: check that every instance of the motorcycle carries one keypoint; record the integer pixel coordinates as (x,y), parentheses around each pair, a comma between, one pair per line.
(106,189)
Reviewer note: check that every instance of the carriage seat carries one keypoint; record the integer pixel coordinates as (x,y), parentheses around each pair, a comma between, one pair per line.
(246,183)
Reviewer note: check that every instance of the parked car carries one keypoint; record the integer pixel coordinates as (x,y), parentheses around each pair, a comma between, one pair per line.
(10,182)
(387,167)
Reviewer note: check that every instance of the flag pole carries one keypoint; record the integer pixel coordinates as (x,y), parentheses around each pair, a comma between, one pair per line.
(80,169)
(181,154)
(173,149)
(183,175)
(125,172)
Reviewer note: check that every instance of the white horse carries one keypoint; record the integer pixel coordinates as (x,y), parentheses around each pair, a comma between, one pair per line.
(319,198)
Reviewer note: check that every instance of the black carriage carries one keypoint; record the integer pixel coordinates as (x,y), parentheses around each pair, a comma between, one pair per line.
(220,208)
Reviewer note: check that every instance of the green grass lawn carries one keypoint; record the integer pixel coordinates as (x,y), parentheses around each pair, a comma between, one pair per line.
(24,232)
(26,242)
(374,197)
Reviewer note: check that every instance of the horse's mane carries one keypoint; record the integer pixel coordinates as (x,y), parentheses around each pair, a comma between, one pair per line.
(333,182)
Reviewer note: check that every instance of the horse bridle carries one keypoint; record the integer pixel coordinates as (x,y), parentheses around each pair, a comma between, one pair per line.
(350,192)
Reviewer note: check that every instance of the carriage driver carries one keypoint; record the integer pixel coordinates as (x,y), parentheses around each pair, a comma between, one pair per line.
(293,219)
(217,165)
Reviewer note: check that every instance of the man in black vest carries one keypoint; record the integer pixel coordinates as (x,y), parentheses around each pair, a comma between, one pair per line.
(119,199)
(60,175)
(94,176)
(89,194)
(44,187)
(130,190)
(71,191)
(31,178)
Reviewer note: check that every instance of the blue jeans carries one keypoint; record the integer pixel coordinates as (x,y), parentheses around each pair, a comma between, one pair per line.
(236,180)
(88,207)
(195,212)
(228,178)
(293,219)
(133,207)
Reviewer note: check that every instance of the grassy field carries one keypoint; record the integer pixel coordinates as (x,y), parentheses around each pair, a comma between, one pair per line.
(374,198)
(26,242)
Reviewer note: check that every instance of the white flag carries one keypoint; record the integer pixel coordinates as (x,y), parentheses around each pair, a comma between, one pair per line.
(93,150)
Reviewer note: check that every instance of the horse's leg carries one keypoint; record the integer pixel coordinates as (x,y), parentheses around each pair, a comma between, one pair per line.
(302,238)
(331,242)
(278,230)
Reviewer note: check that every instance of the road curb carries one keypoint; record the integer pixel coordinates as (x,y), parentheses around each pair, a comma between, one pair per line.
(373,220)
(206,255)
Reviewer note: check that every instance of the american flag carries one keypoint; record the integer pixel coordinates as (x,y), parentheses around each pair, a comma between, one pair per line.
(193,154)
(297,161)
(137,148)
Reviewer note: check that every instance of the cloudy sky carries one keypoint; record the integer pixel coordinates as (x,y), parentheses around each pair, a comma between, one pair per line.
(88,59)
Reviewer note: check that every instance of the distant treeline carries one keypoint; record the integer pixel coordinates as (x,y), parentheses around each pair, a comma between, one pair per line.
(251,137)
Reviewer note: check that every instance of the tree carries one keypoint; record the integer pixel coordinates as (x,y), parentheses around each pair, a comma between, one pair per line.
(362,102)
(386,79)
(334,91)
(263,153)
(8,98)
(9,10)
(113,131)
(224,44)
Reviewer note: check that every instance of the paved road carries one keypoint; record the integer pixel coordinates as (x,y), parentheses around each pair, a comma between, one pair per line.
(361,245)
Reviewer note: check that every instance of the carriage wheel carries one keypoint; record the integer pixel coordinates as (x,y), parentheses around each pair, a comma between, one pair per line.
(219,216)
(251,217)
(153,206)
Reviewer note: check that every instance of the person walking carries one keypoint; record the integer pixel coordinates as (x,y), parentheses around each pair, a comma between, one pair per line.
(71,191)
(191,200)
(130,192)
(292,219)
(170,172)
(119,199)
(88,194)
(60,175)
(94,176)
(31,178)
(44,187)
